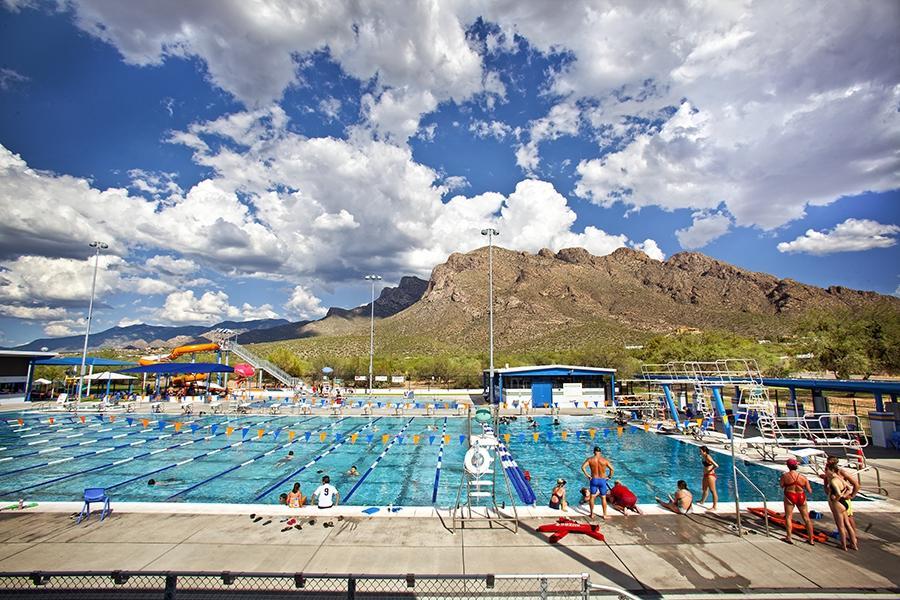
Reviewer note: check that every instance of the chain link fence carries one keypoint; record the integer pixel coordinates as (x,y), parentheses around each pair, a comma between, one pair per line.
(224,586)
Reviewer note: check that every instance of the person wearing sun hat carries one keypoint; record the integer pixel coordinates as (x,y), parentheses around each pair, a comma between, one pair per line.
(558,496)
(795,487)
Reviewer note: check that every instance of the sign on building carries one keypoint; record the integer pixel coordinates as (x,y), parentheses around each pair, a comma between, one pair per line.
(396,378)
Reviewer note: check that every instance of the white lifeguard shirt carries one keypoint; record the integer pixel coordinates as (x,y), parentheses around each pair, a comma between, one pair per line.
(325,495)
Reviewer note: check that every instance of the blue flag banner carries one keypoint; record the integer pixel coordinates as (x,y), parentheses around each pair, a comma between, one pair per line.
(577,435)
(214,428)
(160,425)
(549,436)
(129,420)
(338,437)
(244,433)
(307,434)
(194,427)
(430,440)
(369,438)
(521,437)
(605,432)
(99,418)
(275,435)
(462,439)
(400,438)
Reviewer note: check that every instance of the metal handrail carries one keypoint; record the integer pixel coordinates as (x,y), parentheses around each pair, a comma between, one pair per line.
(609,588)
(761,493)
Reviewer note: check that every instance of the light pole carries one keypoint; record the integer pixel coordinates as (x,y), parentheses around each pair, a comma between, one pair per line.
(373,279)
(98,246)
(491,232)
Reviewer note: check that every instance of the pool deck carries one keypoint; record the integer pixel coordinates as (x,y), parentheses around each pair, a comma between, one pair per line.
(652,554)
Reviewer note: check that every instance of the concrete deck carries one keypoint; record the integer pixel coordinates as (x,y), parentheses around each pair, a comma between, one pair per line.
(651,553)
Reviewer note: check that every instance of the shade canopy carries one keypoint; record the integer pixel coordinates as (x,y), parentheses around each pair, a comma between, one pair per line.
(180,368)
(108,375)
(42,381)
(70,361)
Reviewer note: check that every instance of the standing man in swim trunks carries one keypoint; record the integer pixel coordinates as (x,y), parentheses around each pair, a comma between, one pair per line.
(796,486)
(595,468)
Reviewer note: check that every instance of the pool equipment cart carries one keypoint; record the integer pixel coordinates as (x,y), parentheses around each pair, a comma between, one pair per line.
(476,497)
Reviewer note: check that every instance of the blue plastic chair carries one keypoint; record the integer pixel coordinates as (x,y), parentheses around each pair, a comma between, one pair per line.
(94,495)
(895,440)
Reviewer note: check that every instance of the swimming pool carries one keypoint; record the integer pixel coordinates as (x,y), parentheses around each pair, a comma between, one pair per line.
(244,459)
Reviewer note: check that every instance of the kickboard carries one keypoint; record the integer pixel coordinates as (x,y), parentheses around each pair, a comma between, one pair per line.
(799,529)
(16,506)
(371,510)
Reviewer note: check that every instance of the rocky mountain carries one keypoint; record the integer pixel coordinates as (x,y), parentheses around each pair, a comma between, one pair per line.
(142,336)
(390,301)
(573,296)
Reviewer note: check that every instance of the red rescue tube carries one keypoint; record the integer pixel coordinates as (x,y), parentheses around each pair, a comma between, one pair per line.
(799,529)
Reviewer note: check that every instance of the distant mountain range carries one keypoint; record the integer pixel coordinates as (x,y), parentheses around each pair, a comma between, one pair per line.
(549,300)
(391,301)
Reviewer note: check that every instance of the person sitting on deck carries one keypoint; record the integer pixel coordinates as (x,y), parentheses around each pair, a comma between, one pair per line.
(558,496)
(682,502)
(622,499)
(585,495)
(296,499)
(326,495)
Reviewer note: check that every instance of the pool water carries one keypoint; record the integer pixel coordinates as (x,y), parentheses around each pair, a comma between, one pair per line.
(223,459)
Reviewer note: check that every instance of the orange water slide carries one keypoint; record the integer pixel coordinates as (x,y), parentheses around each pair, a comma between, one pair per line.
(179,351)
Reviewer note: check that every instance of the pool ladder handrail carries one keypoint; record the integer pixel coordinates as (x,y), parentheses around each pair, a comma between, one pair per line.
(765,503)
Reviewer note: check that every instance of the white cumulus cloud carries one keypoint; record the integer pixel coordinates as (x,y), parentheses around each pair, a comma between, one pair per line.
(185,307)
(304,305)
(853,235)
(706,227)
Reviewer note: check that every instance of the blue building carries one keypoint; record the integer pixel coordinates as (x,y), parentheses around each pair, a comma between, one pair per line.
(553,385)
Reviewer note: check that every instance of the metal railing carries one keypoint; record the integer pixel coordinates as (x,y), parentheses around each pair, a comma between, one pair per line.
(260,363)
(171,585)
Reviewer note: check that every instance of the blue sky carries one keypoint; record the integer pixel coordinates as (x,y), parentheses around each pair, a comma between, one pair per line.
(245,162)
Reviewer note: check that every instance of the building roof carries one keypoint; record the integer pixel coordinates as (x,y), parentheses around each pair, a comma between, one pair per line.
(70,361)
(553,370)
(837,385)
(25,354)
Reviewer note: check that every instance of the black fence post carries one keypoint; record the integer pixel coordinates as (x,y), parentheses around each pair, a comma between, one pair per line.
(351,587)
(171,587)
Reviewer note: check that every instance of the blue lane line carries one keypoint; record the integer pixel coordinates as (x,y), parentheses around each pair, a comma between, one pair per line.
(313,461)
(111,464)
(437,472)
(93,440)
(247,462)
(360,481)
(526,494)
(199,456)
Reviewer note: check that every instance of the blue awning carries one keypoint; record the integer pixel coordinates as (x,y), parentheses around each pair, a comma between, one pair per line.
(180,368)
(70,361)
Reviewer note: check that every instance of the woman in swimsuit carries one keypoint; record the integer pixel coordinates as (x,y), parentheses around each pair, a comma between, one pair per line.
(839,502)
(795,488)
(708,483)
(558,496)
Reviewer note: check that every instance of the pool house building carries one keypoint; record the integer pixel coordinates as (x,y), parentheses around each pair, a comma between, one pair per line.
(565,386)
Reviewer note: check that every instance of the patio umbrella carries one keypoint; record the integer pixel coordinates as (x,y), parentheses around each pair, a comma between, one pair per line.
(42,381)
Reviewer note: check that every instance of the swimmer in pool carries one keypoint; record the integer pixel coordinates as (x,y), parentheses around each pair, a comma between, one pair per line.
(353,472)
(286,459)
(163,482)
